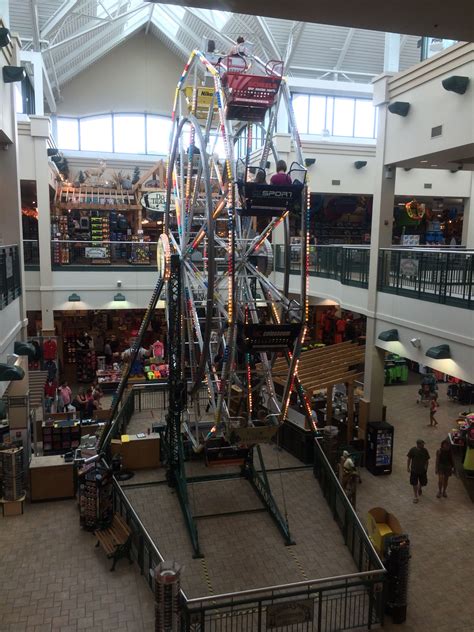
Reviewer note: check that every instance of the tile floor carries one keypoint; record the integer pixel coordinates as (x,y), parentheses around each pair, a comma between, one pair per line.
(68,587)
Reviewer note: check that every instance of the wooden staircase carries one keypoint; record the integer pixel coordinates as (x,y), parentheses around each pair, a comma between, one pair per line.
(37,381)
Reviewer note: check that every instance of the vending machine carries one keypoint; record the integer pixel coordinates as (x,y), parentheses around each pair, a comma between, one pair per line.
(379,447)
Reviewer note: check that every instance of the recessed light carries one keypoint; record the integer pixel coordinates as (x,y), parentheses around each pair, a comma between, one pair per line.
(434,165)
(423,161)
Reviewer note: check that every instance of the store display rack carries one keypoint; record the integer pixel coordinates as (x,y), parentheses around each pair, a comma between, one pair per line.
(95,496)
(12,474)
(61,437)
(87,197)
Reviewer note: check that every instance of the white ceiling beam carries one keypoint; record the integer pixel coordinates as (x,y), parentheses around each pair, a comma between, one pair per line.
(105,9)
(269,38)
(150,16)
(57,18)
(331,70)
(35,20)
(213,28)
(184,50)
(296,33)
(91,29)
(180,24)
(344,49)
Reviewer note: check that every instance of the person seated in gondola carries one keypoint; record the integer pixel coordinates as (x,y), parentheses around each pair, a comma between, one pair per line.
(260,177)
(281,178)
(238,48)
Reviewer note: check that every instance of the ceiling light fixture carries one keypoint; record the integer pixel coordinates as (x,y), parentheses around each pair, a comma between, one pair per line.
(441,352)
(391,335)
(119,297)
(74,298)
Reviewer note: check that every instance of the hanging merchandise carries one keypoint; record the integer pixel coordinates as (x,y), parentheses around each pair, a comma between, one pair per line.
(50,349)
(415,210)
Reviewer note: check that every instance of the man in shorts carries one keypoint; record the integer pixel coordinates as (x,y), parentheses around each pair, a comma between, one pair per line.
(417,464)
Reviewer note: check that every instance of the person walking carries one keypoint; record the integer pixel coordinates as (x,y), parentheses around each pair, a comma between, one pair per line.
(444,467)
(417,464)
(433,408)
(65,397)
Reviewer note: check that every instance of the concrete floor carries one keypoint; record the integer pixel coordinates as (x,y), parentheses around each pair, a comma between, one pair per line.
(52,577)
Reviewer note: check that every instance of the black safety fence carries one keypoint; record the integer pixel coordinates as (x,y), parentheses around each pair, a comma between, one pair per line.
(354,534)
(10,275)
(332,604)
(440,277)
(347,264)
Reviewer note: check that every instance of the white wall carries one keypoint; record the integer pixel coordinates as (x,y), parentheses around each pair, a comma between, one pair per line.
(96,289)
(139,75)
(431,105)
(11,324)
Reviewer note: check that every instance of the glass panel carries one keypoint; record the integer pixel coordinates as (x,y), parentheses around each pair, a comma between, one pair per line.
(317,114)
(364,118)
(343,117)
(96,133)
(129,133)
(300,108)
(329,114)
(68,133)
(158,131)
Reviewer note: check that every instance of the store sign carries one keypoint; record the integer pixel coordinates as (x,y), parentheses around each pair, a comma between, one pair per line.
(156,201)
(96,252)
(284,614)
(409,267)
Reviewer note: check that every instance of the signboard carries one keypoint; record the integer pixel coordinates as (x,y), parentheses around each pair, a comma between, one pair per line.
(289,613)
(410,240)
(409,267)
(97,252)
(154,200)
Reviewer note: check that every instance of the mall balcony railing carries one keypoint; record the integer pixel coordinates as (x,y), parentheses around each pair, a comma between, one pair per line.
(10,275)
(79,255)
(31,254)
(440,275)
(347,264)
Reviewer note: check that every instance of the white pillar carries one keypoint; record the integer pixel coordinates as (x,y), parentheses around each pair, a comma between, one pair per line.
(391,57)
(468,220)
(5,12)
(40,133)
(381,237)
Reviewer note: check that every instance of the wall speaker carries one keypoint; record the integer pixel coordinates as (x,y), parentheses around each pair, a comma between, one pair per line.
(456,84)
(309,161)
(360,163)
(399,107)
(5,38)
(52,151)
(11,74)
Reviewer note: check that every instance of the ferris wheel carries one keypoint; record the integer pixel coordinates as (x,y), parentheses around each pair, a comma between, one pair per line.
(219,223)
(227,320)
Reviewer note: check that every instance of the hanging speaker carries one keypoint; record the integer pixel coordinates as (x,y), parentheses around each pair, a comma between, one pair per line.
(11,74)
(399,107)
(5,38)
(456,84)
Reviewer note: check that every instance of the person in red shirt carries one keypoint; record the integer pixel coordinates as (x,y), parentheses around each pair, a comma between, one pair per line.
(49,394)
(281,178)
(340,330)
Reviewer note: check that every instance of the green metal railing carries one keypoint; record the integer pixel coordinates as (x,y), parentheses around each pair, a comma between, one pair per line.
(10,277)
(439,276)
(347,264)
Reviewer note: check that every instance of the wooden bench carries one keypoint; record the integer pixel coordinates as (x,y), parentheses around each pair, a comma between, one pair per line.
(116,540)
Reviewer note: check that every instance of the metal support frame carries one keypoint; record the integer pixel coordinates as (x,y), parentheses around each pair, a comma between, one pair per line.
(173,446)
(260,483)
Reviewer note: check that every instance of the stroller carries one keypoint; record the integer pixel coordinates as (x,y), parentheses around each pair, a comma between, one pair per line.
(428,389)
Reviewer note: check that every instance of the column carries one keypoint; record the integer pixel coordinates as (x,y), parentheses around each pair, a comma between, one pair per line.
(391,58)
(468,221)
(381,237)
(39,134)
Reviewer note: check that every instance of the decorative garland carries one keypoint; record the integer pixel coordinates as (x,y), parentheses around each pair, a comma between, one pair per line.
(415,210)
